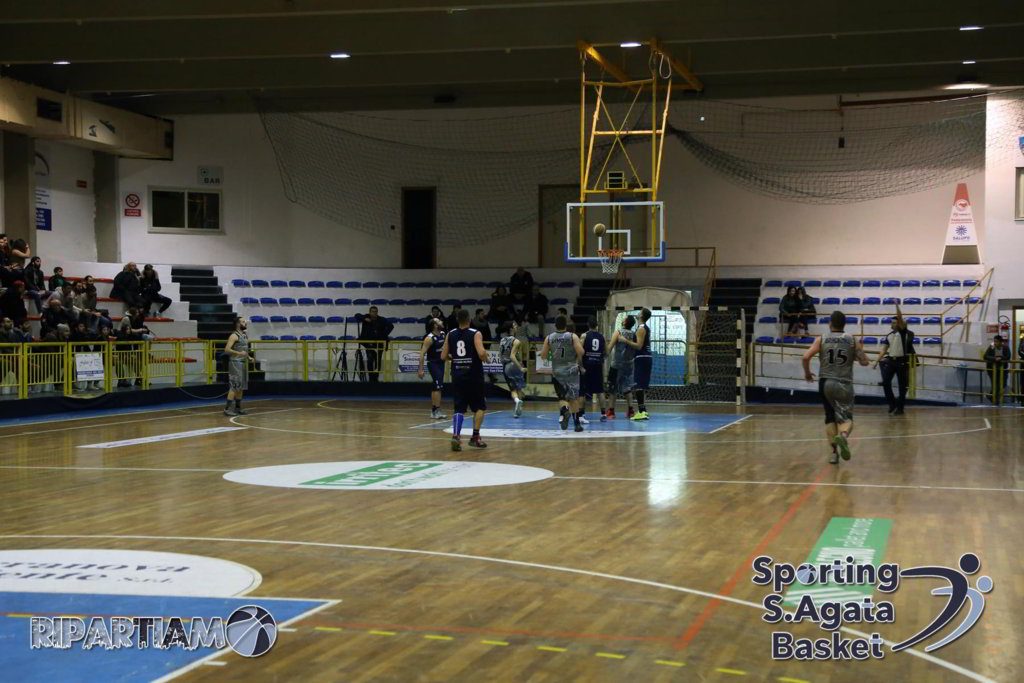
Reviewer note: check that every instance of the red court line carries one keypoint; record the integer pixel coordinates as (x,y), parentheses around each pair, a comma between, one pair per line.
(727,588)
(495,631)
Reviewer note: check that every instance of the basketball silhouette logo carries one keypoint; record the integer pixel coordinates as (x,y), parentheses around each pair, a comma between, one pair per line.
(251,631)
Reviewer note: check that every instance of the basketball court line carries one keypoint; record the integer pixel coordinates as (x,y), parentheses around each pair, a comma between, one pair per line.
(92,415)
(497,560)
(160,438)
(726,426)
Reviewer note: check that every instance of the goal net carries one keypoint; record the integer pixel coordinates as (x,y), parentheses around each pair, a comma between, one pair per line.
(697,352)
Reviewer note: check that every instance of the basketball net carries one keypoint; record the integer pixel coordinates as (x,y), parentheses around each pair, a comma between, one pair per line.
(610,259)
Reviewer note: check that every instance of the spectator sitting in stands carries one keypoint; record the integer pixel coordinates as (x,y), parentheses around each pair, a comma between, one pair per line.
(94,320)
(563,311)
(435,313)
(479,322)
(149,289)
(808,313)
(66,295)
(137,317)
(789,311)
(80,333)
(536,302)
(520,284)
(25,331)
(19,252)
(35,283)
(12,303)
(451,323)
(534,326)
(53,315)
(126,286)
(84,296)
(57,279)
(502,308)
(8,335)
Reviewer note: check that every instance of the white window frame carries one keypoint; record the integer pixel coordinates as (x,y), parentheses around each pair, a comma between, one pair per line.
(1019,205)
(185,190)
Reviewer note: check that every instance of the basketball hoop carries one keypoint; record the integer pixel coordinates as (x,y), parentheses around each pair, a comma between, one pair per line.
(610,260)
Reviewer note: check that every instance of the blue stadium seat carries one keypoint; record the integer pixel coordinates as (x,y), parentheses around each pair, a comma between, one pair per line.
(566,285)
(360,302)
(408,284)
(770,300)
(559,302)
(851,283)
(970,283)
(347,337)
(872,301)
(335,320)
(815,300)
(770,283)
(953,300)
(788,340)
(431,302)
(830,301)
(806,340)
(260,283)
(933,340)
(317,319)
(765,340)
(494,284)
(442,285)
(911,283)
(471,303)
(453,302)
(912,301)
(414,302)
(543,285)
(792,283)
(297,319)
(278,283)
(870,341)
(297,283)
(812,283)
(424,285)
(974,299)
(354,318)
(823,320)
(931,320)
(325,301)
(768,319)
(335,284)
(308,337)
(306,301)
(286,301)
(477,284)
(831,283)
(250,301)
(289,337)
(887,320)
(870,320)
(913,320)
(268,337)
(278,319)
(891,283)
(483,302)
(891,301)
(241,283)
(389,285)
(872,283)
(353,284)
(852,319)
(327,337)
(408,320)
(398,302)
(953,319)
(380,302)
(371,285)
(315,283)
(932,301)
(459,285)
(268,301)
(930,283)
(343,302)
(259,319)
(950,283)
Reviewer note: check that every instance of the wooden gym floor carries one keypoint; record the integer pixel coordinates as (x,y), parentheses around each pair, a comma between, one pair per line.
(631,563)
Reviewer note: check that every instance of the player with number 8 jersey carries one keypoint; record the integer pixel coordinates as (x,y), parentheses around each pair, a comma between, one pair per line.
(464,346)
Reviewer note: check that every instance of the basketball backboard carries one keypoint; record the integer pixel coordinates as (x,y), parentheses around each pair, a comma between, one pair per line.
(637,228)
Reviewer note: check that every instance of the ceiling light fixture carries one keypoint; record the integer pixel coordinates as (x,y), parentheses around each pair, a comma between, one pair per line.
(62,62)
(970,85)
(971,28)
(632,43)
(340,55)
(968,61)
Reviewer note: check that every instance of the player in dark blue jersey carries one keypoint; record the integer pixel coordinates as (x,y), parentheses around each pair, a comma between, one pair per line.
(593,368)
(431,351)
(642,365)
(464,346)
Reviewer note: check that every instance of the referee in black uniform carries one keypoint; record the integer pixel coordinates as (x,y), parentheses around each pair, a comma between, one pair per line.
(897,349)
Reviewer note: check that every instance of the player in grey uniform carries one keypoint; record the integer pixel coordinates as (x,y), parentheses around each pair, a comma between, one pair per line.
(622,348)
(837,351)
(566,351)
(237,350)
(512,366)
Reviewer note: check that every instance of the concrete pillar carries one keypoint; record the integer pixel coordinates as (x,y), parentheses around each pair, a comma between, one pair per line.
(108,243)
(19,219)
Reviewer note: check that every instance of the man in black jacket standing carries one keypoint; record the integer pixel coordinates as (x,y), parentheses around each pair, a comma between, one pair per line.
(374,334)
(997,359)
(898,347)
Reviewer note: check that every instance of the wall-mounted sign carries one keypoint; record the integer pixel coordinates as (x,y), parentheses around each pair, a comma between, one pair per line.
(44,211)
(210,176)
(132,205)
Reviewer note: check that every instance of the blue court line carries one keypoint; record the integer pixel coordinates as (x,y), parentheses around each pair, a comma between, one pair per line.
(21,663)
